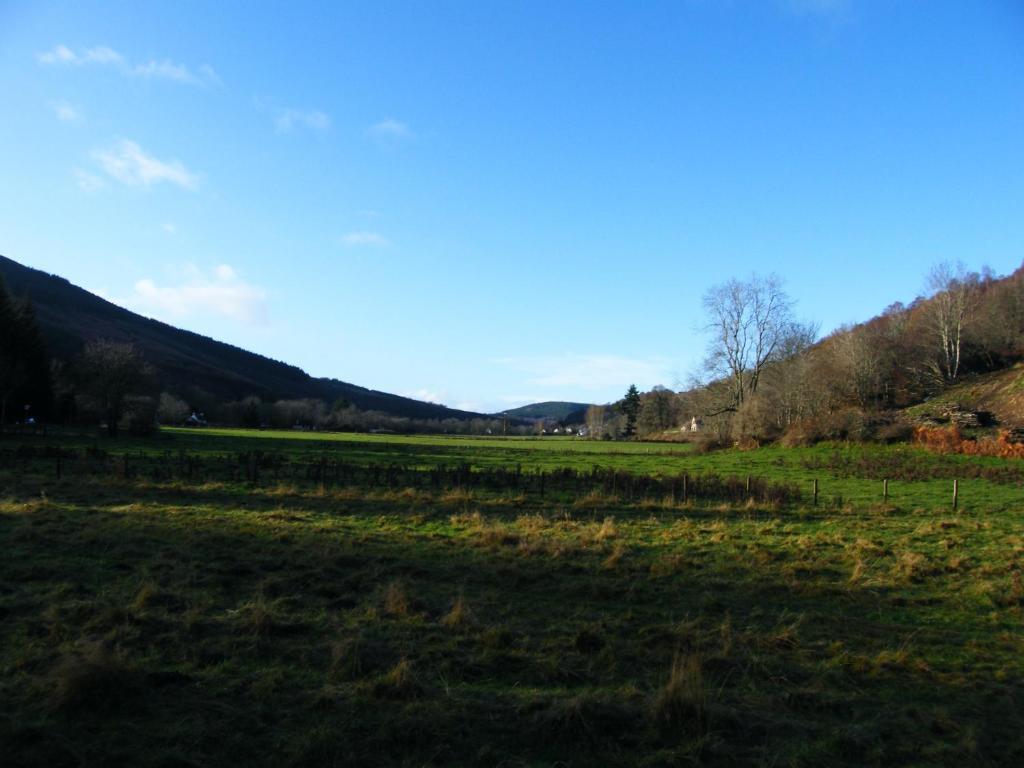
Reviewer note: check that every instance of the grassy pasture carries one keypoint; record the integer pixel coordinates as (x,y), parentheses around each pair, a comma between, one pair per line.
(152,622)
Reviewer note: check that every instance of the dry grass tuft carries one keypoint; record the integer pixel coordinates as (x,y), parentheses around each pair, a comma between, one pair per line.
(531,523)
(595,499)
(257,617)
(857,575)
(682,699)
(467,519)
(498,535)
(607,530)
(460,614)
(399,682)
(910,566)
(611,562)
(396,600)
(457,496)
(94,676)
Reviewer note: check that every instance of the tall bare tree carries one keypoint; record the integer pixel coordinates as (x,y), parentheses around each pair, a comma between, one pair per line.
(749,321)
(955,292)
(595,421)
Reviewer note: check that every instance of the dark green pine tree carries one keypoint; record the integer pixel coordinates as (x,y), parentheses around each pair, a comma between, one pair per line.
(630,408)
(37,390)
(12,369)
(24,365)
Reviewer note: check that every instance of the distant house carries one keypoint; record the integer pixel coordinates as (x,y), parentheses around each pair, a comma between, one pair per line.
(196,420)
(695,425)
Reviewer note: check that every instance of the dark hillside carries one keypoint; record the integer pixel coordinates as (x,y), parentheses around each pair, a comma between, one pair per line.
(184,361)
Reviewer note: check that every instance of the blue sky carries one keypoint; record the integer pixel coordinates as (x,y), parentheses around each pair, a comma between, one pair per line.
(489,204)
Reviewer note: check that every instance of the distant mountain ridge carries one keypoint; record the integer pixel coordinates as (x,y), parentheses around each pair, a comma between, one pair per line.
(187,362)
(554,410)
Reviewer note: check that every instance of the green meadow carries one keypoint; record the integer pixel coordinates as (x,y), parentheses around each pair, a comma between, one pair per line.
(160,620)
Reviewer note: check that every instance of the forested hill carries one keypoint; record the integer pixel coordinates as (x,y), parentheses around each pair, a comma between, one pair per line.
(554,410)
(186,363)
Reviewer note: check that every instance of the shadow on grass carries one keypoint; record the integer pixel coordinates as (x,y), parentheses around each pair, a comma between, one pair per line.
(151,626)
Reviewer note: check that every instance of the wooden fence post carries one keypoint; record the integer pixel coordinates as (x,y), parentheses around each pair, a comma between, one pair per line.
(815,492)
(956,492)
(885,490)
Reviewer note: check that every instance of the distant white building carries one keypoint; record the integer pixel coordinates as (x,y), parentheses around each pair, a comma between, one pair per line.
(694,425)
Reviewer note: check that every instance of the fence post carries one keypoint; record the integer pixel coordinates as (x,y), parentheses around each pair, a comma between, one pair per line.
(885,490)
(748,485)
(815,481)
(684,488)
(956,492)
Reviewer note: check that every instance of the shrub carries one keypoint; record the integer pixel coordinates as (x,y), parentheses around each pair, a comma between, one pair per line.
(895,432)
(755,422)
(706,442)
(950,440)
(800,434)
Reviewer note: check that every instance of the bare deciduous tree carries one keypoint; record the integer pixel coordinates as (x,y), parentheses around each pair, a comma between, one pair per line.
(595,421)
(954,295)
(749,322)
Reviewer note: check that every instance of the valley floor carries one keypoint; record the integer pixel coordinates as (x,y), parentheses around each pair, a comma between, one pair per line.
(158,611)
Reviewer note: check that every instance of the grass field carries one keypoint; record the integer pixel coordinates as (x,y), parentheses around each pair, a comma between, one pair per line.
(169,622)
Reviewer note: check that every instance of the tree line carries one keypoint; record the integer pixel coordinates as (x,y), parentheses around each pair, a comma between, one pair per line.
(767,375)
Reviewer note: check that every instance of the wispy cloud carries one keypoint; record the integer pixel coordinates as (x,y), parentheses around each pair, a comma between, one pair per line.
(390,132)
(89,183)
(287,119)
(164,69)
(220,292)
(65,112)
(590,372)
(129,164)
(169,228)
(365,239)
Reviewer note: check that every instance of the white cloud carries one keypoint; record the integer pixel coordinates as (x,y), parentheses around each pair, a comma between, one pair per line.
(129,164)
(289,118)
(169,228)
(390,131)
(366,239)
(590,372)
(222,293)
(88,182)
(427,395)
(164,69)
(65,112)
(61,54)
